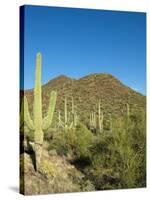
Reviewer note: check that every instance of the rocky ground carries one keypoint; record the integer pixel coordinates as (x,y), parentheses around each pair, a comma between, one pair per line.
(56,175)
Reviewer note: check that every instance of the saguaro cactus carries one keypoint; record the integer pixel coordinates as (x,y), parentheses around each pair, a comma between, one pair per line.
(65,111)
(70,118)
(100,117)
(93,121)
(128,109)
(74,113)
(39,124)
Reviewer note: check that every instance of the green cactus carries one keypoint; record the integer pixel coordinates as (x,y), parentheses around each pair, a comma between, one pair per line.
(128,109)
(110,123)
(70,118)
(93,120)
(74,114)
(39,124)
(100,117)
(65,111)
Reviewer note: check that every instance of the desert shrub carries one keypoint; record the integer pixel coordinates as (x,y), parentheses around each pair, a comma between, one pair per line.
(63,142)
(108,160)
(104,178)
(128,150)
(100,151)
(83,142)
(119,158)
(75,142)
(48,170)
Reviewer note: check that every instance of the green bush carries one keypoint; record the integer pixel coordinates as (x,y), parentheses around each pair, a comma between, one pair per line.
(109,160)
(129,143)
(119,158)
(83,142)
(75,142)
(63,141)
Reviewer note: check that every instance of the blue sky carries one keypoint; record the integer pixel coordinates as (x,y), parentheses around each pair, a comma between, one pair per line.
(77,42)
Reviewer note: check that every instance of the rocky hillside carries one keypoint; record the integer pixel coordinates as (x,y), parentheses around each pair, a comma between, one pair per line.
(84,158)
(87,91)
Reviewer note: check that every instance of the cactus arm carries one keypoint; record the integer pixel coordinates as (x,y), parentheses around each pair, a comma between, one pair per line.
(59,116)
(27,118)
(48,119)
(60,122)
(71,125)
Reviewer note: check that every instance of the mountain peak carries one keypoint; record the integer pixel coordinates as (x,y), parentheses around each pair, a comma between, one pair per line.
(88,89)
(62,76)
(99,75)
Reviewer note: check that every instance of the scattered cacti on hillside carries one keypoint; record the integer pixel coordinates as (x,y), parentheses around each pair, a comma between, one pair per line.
(70,118)
(93,119)
(38,124)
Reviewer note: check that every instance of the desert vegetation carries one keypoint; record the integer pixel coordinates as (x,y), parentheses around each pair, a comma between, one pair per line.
(81,135)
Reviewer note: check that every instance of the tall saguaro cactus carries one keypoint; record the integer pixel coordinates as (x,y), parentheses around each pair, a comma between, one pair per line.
(128,110)
(100,117)
(70,118)
(39,124)
(65,111)
(93,119)
(74,113)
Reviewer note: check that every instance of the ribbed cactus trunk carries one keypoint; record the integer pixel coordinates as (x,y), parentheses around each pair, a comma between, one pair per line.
(37,113)
(72,101)
(38,124)
(110,123)
(59,119)
(74,114)
(70,119)
(65,111)
(100,117)
(128,110)
(93,121)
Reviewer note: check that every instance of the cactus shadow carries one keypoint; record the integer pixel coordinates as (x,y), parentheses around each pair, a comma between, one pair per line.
(31,154)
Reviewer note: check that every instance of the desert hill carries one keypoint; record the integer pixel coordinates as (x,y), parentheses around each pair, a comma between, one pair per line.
(86,93)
